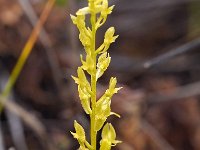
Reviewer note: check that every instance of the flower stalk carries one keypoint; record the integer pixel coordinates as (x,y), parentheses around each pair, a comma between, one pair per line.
(99,110)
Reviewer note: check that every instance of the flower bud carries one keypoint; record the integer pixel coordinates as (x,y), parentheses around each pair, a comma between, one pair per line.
(80,133)
(109,36)
(108,137)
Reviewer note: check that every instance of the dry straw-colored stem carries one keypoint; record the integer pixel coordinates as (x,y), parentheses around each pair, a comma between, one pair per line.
(27,50)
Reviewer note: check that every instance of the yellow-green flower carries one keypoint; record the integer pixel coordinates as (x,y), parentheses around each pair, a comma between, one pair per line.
(108,137)
(100,110)
(79,134)
(84,90)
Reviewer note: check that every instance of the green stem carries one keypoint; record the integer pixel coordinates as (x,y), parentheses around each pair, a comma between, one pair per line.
(93,78)
(88,145)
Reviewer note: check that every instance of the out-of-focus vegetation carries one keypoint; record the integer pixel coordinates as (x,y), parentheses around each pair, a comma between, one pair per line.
(61,2)
(156,60)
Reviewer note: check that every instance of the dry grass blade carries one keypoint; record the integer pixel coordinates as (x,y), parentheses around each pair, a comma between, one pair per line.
(17,130)
(172,53)
(26,50)
(30,120)
(45,40)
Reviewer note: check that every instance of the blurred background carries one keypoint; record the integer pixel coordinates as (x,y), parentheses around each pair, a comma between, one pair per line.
(156,59)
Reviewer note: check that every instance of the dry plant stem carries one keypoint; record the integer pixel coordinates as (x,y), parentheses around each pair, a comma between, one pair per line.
(27,117)
(27,50)
(93,80)
(30,120)
(45,41)
(173,53)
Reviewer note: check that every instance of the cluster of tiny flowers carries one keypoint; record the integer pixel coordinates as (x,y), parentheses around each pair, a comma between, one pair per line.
(100,109)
